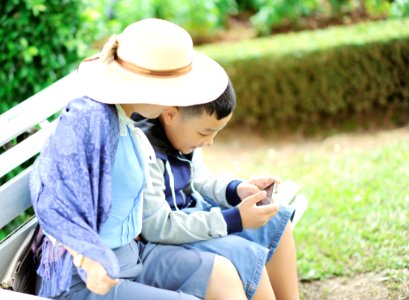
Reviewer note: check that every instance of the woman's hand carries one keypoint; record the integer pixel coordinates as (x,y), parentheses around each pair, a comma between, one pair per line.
(98,280)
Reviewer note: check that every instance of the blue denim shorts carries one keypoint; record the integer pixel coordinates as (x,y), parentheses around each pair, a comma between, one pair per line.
(152,271)
(248,250)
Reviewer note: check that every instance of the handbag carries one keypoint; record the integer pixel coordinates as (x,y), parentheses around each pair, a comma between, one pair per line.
(21,273)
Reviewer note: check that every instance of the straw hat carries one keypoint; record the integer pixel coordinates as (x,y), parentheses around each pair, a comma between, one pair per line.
(152,61)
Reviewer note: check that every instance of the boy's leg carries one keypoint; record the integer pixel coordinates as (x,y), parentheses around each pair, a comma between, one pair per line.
(277,236)
(190,271)
(248,258)
(264,290)
(282,268)
(270,234)
(224,282)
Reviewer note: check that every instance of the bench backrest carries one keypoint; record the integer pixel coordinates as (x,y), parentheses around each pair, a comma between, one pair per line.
(31,116)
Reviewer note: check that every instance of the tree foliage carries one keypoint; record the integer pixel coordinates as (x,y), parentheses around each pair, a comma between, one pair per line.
(41,41)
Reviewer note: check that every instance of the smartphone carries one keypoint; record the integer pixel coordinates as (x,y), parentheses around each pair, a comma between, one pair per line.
(271,189)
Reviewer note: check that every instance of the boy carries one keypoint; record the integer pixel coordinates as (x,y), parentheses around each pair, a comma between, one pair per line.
(191,207)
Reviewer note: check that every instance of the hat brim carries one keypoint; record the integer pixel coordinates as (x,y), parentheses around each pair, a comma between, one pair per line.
(112,84)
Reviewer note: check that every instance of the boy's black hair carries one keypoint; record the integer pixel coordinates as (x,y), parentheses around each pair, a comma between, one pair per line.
(223,106)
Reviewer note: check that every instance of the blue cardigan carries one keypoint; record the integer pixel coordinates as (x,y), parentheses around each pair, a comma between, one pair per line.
(71,191)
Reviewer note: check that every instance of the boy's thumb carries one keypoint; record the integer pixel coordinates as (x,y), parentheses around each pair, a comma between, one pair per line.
(253,199)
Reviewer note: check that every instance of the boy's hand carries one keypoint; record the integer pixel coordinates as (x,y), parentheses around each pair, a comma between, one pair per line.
(254,185)
(253,216)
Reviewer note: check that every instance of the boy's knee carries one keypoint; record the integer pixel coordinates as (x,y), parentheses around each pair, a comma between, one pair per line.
(225,266)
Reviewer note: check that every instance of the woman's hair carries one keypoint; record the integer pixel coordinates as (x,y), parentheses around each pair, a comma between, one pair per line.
(223,106)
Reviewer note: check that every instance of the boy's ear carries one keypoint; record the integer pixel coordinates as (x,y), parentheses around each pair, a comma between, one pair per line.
(169,114)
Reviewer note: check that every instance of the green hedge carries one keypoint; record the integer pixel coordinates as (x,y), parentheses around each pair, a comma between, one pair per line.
(311,76)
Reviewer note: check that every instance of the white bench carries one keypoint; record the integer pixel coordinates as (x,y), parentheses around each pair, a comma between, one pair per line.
(14,194)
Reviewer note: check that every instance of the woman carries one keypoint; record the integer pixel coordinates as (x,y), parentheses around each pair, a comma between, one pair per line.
(86,186)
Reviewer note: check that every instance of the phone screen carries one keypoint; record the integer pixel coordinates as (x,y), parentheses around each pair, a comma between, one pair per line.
(270,191)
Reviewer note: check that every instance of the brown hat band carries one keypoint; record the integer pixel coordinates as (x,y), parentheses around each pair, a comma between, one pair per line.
(147,72)
(143,71)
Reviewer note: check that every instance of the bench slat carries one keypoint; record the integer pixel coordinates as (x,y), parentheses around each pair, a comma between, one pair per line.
(8,295)
(25,150)
(37,108)
(14,197)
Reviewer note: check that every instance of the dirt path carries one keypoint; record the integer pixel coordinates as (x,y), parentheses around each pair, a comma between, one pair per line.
(370,286)
(243,144)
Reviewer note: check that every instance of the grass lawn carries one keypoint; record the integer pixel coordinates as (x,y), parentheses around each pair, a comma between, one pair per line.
(358,190)
(358,216)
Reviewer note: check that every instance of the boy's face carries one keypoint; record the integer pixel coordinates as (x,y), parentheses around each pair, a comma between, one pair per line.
(186,133)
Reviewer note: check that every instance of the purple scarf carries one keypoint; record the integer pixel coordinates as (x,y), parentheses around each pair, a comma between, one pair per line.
(71,191)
